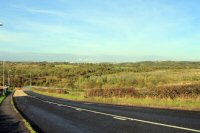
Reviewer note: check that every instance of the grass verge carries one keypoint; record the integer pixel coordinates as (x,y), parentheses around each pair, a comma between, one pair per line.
(2,98)
(181,103)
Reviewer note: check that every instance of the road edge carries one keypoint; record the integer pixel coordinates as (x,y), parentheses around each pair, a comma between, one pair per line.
(26,123)
(127,105)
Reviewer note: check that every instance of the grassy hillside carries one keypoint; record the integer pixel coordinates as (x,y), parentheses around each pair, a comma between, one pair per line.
(87,76)
(139,80)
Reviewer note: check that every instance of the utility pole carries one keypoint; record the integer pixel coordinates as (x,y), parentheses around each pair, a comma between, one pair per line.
(3,69)
(30,80)
(9,78)
(3,80)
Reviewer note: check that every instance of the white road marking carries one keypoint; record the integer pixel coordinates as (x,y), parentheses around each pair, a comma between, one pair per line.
(78,109)
(87,103)
(60,105)
(119,117)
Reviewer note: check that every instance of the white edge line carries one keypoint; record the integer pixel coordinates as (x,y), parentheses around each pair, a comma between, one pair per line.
(87,103)
(119,117)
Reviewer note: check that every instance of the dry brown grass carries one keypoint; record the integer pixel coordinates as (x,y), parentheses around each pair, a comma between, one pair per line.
(19,93)
(49,90)
(118,92)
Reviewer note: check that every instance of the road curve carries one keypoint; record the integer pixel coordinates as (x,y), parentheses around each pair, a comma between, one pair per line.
(54,115)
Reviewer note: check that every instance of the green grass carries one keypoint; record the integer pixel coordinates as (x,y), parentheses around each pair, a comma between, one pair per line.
(140,80)
(28,126)
(2,98)
(177,103)
(66,66)
(181,103)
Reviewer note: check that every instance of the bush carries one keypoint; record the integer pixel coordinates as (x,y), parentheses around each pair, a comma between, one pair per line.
(59,91)
(176,91)
(129,92)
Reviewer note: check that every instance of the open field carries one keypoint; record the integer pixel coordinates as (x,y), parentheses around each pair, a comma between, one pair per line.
(165,84)
(141,75)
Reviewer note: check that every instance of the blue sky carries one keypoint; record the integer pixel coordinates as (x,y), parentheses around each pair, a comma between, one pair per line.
(161,29)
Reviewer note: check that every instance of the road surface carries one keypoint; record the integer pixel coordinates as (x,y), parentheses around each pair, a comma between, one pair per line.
(54,115)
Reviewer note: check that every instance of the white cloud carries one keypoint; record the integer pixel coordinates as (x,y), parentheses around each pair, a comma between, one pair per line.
(41,11)
(48,12)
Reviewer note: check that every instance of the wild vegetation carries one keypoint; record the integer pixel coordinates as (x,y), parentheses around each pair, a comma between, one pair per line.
(104,75)
(167,79)
(1,98)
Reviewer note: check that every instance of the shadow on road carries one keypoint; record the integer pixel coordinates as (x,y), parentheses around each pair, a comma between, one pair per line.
(8,124)
(10,121)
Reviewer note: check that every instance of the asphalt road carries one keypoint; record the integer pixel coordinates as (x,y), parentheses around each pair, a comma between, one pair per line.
(54,115)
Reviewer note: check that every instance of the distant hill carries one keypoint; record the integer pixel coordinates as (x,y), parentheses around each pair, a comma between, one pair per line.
(10,56)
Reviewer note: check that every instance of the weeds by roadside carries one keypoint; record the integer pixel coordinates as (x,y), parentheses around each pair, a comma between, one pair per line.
(2,98)
(185,103)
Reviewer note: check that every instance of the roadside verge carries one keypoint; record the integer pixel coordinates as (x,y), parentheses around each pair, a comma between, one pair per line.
(2,98)
(147,102)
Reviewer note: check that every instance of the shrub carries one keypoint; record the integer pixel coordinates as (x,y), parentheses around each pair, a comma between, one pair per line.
(59,91)
(176,91)
(118,92)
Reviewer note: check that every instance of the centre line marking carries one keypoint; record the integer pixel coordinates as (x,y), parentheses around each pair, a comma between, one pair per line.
(120,117)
